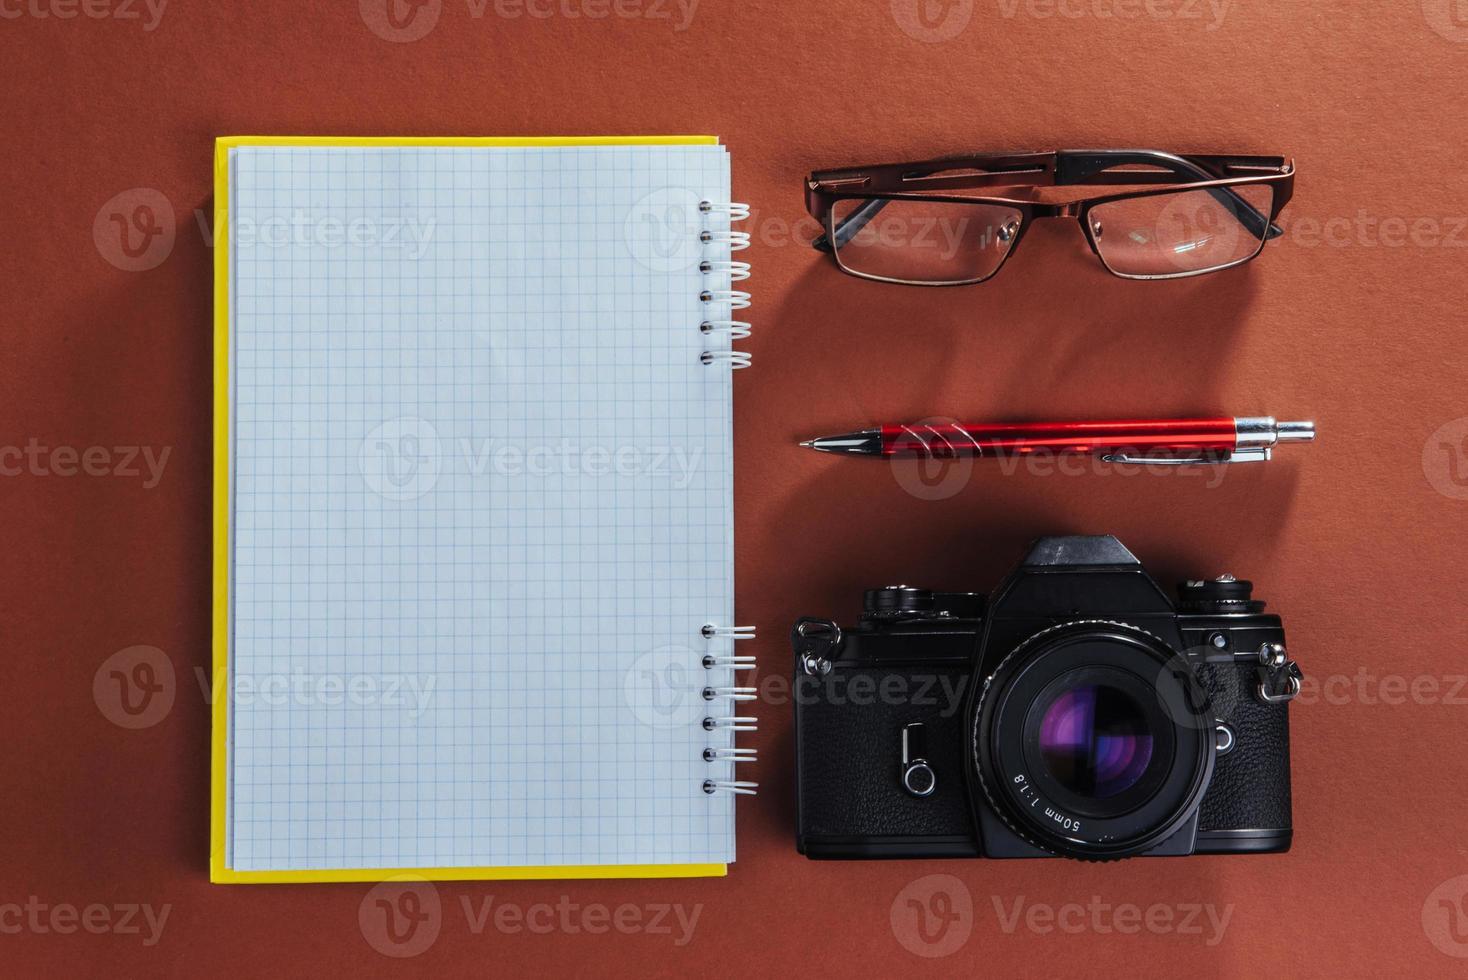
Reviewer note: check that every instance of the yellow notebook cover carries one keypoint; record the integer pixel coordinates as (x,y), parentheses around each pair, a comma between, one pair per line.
(219,871)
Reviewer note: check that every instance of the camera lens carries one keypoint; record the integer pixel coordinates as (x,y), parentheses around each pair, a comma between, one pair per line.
(1095,741)
(1090,740)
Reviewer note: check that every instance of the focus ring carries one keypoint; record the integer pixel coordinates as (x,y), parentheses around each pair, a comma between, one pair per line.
(976,755)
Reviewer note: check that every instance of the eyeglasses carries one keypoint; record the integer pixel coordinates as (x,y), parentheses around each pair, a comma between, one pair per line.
(903,223)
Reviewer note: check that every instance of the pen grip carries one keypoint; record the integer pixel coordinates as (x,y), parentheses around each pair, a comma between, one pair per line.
(952,440)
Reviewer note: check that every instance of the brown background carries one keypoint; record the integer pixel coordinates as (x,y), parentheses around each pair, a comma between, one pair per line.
(1356,541)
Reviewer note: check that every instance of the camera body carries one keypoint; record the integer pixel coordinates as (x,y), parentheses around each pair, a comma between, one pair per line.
(1077,711)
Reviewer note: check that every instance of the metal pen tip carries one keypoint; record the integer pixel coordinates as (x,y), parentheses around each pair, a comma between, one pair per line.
(808,444)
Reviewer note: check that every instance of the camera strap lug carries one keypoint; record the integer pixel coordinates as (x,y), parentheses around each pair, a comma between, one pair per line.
(817,645)
(1280,679)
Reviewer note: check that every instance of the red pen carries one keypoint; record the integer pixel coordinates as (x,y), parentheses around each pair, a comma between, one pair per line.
(1157,442)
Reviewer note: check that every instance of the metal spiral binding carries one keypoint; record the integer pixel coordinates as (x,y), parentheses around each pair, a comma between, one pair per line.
(725,692)
(735,723)
(736,329)
(738,359)
(735,271)
(726,273)
(710,631)
(736,787)
(737,241)
(731,662)
(732,693)
(735,299)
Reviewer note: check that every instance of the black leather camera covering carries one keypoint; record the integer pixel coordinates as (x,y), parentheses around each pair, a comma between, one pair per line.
(850,752)
(1251,785)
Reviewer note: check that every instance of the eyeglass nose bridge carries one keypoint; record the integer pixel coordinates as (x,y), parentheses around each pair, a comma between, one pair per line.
(1070,209)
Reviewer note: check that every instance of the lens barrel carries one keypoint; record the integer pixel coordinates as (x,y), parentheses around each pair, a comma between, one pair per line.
(1093,740)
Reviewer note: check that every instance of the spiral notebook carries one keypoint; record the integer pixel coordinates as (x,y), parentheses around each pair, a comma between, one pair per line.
(473,571)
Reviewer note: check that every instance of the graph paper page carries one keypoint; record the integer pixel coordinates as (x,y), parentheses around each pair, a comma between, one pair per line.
(481,492)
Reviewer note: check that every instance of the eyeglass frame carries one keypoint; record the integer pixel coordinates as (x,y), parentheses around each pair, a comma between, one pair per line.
(1060,168)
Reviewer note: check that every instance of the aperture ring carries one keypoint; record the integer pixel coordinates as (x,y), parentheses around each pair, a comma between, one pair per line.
(976,753)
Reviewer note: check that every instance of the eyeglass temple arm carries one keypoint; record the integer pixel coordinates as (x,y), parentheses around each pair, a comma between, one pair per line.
(851,225)
(1092,167)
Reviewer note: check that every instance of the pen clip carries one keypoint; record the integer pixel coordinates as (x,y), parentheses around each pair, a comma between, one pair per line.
(1257,455)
